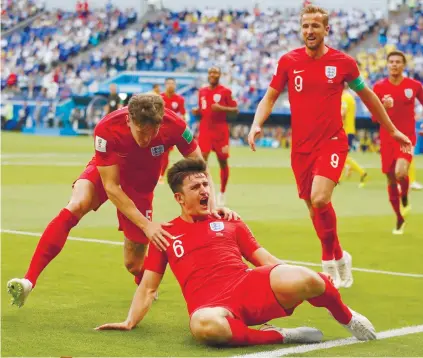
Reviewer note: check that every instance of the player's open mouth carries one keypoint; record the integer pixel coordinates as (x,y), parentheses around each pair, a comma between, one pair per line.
(204,201)
(311,38)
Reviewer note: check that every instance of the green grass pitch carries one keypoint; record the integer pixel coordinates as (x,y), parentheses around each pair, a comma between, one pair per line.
(87,284)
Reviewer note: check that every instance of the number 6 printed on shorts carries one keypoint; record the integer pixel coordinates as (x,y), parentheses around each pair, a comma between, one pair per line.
(334,160)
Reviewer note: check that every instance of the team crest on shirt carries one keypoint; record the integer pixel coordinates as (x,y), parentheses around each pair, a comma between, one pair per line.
(217,97)
(408,93)
(174,105)
(217,226)
(158,150)
(330,72)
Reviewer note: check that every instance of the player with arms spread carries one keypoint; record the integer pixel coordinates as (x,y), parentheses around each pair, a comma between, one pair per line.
(223,295)
(126,166)
(175,103)
(315,76)
(215,102)
(398,94)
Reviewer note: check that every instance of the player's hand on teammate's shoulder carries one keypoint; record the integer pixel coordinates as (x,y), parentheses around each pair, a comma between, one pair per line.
(387,101)
(195,111)
(226,214)
(122,326)
(404,141)
(157,235)
(254,132)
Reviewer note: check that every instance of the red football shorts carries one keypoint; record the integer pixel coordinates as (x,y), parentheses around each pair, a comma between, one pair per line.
(252,300)
(142,201)
(389,153)
(328,162)
(216,140)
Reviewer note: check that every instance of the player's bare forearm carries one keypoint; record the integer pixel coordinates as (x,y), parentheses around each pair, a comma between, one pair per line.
(376,108)
(110,178)
(265,107)
(262,257)
(143,298)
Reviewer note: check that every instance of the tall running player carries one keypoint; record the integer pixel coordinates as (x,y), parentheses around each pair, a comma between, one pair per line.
(315,75)
(126,166)
(398,95)
(224,296)
(176,103)
(215,102)
(348,115)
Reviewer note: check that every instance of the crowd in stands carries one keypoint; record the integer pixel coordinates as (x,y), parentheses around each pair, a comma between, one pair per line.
(31,59)
(14,12)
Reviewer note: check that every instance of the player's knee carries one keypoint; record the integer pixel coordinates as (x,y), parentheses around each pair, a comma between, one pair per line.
(206,328)
(133,267)
(319,200)
(313,284)
(79,207)
(400,175)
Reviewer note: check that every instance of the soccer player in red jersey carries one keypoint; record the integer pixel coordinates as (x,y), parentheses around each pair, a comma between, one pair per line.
(176,103)
(126,166)
(398,94)
(315,76)
(215,102)
(223,295)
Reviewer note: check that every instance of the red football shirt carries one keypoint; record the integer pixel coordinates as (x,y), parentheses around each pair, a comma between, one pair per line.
(402,114)
(139,167)
(207,97)
(315,89)
(206,258)
(176,103)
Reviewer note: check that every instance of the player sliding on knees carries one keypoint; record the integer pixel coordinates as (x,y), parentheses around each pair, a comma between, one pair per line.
(129,144)
(223,295)
(315,77)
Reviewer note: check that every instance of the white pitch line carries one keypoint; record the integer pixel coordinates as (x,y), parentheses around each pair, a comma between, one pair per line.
(304,348)
(107,242)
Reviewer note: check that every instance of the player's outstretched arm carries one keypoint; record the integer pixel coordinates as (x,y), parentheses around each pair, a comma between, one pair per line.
(264,109)
(141,303)
(111,182)
(376,108)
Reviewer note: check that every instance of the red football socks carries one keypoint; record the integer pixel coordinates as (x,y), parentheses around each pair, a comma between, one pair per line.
(405,184)
(51,243)
(325,225)
(224,176)
(394,198)
(331,300)
(165,162)
(244,336)
(138,278)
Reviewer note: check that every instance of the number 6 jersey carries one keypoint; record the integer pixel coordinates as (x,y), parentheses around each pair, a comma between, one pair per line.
(315,89)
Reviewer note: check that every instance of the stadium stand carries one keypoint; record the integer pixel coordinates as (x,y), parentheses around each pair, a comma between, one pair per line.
(13,12)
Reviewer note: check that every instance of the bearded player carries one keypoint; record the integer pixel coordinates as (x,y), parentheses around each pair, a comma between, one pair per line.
(223,295)
(215,102)
(398,95)
(315,76)
(126,166)
(176,103)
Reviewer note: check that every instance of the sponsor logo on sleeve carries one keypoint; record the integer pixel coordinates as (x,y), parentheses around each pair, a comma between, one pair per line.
(100,144)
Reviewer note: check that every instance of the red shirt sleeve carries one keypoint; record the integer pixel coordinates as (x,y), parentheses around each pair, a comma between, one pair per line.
(280,77)
(182,109)
(184,139)
(156,260)
(246,241)
(352,71)
(419,93)
(105,154)
(229,101)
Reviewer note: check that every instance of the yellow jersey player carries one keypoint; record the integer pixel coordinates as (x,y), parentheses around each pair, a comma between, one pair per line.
(348,115)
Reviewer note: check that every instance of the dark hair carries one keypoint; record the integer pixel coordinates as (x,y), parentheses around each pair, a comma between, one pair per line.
(312,9)
(182,169)
(397,53)
(156,85)
(170,79)
(146,109)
